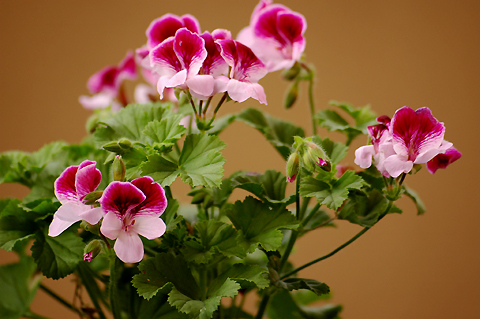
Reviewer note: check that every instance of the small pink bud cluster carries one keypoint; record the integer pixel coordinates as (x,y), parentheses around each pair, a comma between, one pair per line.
(308,155)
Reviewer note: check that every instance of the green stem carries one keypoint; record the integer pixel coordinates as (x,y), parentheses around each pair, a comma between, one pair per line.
(58,298)
(224,97)
(363,231)
(312,212)
(304,207)
(311,101)
(114,303)
(206,107)
(263,306)
(294,234)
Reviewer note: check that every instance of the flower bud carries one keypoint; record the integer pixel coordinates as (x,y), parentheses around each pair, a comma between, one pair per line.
(292,166)
(118,168)
(316,155)
(92,250)
(292,73)
(292,95)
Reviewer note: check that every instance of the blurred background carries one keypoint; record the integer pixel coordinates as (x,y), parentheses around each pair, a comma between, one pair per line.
(384,53)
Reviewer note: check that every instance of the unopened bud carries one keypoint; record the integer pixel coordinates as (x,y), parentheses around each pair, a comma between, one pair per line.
(292,166)
(317,155)
(118,168)
(125,143)
(92,250)
(292,95)
(292,73)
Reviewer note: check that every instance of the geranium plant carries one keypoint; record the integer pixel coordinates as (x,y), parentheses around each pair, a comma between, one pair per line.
(104,209)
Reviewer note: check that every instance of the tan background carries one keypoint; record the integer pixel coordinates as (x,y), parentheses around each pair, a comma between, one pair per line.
(386,53)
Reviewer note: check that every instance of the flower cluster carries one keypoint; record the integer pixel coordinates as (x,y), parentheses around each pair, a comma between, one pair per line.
(128,209)
(409,138)
(178,55)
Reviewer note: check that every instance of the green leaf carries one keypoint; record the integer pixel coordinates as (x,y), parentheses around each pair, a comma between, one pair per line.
(200,163)
(214,236)
(164,133)
(364,209)
(269,187)
(333,121)
(16,224)
(323,312)
(162,269)
(259,223)
(170,216)
(221,124)
(248,276)
(363,116)
(57,256)
(130,122)
(290,284)
(421,209)
(278,132)
(203,309)
(18,287)
(282,306)
(331,194)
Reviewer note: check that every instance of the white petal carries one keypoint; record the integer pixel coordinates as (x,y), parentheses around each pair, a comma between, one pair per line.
(111,226)
(66,215)
(150,227)
(129,247)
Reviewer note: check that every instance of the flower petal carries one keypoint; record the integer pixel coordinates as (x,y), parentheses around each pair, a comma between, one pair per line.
(66,215)
(97,101)
(415,132)
(163,59)
(363,156)
(191,23)
(190,50)
(162,28)
(112,226)
(127,69)
(105,81)
(291,27)
(65,190)
(129,247)
(397,164)
(201,85)
(214,63)
(443,160)
(155,201)
(238,91)
(92,216)
(150,227)
(120,198)
(246,66)
(87,179)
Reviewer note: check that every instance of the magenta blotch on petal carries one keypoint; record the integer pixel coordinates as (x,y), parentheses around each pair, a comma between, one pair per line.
(70,189)
(133,209)
(443,160)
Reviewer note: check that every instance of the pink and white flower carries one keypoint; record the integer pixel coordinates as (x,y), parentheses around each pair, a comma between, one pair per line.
(133,209)
(70,189)
(105,85)
(417,137)
(380,149)
(276,35)
(214,68)
(412,137)
(246,71)
(178,60)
